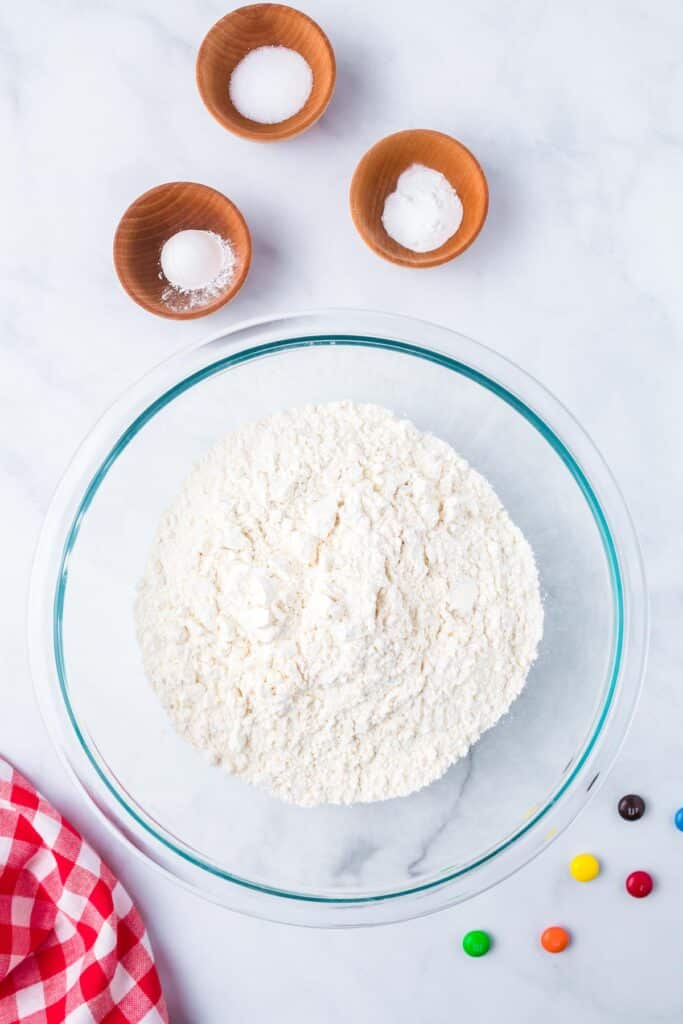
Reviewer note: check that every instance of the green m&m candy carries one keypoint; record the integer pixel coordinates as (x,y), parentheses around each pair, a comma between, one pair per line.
(476,943)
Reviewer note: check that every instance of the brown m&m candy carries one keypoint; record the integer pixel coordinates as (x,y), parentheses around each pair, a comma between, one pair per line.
(631,807)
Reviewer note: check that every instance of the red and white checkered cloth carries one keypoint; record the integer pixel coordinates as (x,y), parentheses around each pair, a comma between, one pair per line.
(73,948)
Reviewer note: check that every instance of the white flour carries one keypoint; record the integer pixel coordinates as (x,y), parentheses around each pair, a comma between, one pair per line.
(337,606)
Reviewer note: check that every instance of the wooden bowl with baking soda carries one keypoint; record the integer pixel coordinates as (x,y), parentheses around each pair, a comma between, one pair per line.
(377,176)
(188,214)
(266,72)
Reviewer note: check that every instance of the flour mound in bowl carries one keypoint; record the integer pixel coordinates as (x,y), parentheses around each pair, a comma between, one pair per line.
(336,605)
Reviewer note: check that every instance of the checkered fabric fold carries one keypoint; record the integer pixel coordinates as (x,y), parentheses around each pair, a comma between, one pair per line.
(73,948)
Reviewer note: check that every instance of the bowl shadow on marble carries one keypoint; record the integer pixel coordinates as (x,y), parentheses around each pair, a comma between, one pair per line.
(340,120)
(265,275)
(504,220)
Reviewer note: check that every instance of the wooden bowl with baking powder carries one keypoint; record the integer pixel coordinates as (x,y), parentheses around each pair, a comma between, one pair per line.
(376,176)
(157,215)
(245,29)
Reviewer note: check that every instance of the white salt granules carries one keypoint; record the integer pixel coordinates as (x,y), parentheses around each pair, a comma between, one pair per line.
(336,606)
(270,84)
(424,211)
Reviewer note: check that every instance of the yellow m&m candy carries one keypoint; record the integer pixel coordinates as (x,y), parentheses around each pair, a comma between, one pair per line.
(584,867)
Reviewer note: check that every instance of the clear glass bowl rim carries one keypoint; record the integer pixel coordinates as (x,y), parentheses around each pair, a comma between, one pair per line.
(261,339)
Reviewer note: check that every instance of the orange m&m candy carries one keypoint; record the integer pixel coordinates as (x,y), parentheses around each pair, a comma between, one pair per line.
(555,939)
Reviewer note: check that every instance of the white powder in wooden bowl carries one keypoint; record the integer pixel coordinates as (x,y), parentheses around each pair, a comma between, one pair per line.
(271,84)
(424,210)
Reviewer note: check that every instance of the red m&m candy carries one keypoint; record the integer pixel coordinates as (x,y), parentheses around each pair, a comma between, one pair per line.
(639,884)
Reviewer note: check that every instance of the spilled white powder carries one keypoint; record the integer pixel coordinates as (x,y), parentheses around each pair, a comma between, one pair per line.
(337,606)
(424,211)
(270,84)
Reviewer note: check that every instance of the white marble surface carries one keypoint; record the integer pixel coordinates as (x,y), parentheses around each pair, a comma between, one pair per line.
(574,111)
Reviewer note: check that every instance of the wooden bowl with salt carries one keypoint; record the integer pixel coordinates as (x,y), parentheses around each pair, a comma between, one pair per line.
(156,216)
(376,176)
(247,29)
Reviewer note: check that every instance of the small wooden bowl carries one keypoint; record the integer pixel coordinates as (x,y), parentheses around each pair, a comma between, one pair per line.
(245,29)
(375,178)
(157,215)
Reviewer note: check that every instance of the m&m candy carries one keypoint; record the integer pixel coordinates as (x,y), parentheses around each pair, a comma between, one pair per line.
(584,867)
(678,819)
(631,807)
(639,884)
(555,939)
(476,943)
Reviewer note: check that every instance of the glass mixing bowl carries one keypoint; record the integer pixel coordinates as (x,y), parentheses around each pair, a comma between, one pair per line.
(526,778)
